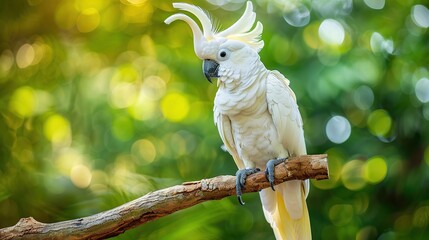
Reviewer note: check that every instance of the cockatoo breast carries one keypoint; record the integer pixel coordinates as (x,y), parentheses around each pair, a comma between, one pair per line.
(255,136)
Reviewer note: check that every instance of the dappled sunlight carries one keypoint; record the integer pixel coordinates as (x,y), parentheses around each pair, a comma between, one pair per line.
(153,87)
(375,170)
(143,151)
(381,45)
(143,108)
(379,122)
(422,90)
(363,97)
(309,32)
(80,176)
(121,167)
(25,56)
(102,102)
(338,129)
(6,62)
(331,32)
(135,11)
(375,4)
(27,101)
(175,107)
(88,20)
(67,159)
(23,102)
(123,94)
(123,177)
(57,130)
(352,175)
(420,15)
(99,182)
(421,217)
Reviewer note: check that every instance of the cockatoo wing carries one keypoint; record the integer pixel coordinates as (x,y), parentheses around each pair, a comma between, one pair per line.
(223,124)
(284,110)
(286,117)
(286,209)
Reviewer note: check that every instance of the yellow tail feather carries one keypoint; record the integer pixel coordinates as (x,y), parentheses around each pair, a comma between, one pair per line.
(285,227)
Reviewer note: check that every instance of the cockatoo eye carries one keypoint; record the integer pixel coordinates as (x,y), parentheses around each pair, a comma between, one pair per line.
(223,55)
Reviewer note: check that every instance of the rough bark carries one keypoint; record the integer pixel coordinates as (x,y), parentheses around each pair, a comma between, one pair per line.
(163,202)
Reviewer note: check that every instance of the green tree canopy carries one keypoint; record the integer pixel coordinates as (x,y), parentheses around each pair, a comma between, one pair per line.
(101,102)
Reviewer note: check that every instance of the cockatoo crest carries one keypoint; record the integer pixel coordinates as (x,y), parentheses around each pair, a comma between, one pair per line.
(240,31)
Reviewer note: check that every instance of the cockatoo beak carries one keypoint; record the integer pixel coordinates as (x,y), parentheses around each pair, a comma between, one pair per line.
(210,69)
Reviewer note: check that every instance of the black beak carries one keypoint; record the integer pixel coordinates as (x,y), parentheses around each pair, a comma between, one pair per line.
(210,69)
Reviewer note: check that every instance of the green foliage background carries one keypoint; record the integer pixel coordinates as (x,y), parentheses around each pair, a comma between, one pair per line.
(101,102)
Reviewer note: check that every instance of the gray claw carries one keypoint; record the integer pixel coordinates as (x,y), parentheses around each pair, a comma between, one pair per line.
(269,170)
(240,200)
(240,181)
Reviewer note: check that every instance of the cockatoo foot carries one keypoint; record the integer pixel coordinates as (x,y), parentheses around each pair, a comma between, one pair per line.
(241,176)
(269,170)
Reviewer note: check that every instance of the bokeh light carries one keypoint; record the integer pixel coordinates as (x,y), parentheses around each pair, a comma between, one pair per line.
(420,16)
(309,32)
(57,129)
(297,16)
(22,101)
(143,108)
(123,94)
(81,176)
(363,97)
(175,107)
(99,180)
(338,129)
(421,217)
(381,45)
(375,170)
(403,222)
(422,90)
(66,15)
(331,32)
(379,122)
(154,87)
(88,20)
(375,4)
(67,158)
(144,151)
(102,102)
(333,8)
(25,56)
(368,232)
(352,175)
(136,2)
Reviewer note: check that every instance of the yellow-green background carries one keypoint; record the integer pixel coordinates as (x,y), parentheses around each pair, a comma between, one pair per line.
(101,102)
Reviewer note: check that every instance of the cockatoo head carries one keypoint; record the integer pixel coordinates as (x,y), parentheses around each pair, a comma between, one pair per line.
(226,54)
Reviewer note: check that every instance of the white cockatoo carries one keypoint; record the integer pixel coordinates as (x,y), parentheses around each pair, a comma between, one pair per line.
(256,113)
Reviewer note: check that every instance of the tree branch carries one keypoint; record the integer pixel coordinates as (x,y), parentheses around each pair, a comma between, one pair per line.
(163,202)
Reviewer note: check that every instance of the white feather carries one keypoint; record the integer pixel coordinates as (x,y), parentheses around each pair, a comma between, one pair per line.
(243,24)
(259,122)
(257,116)
(201,15)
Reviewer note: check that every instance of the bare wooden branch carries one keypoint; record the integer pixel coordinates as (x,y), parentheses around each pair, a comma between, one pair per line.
(163,202)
